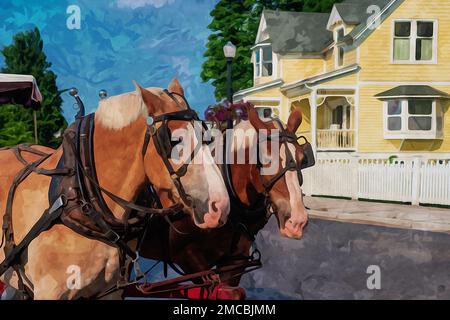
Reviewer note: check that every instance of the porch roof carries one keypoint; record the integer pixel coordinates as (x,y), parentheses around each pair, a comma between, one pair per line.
(412,91)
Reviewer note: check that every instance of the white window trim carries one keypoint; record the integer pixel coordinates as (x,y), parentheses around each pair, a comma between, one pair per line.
(405,133)
(274,62)
(273,108)
(336,49)
(336,58)
(412,54)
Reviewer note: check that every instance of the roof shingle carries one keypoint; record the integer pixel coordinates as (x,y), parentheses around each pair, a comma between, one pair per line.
(294,32)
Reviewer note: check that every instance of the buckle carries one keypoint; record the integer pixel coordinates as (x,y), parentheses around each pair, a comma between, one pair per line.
(112,236)
(60,202)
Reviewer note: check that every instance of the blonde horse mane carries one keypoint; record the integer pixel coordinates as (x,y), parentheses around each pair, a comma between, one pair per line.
(119,111)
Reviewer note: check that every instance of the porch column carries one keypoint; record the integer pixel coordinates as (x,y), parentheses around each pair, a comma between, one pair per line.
(313,105)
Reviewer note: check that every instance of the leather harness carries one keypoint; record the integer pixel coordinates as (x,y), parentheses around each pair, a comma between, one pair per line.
(76,196)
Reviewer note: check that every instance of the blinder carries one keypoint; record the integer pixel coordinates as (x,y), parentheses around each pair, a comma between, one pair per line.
(308,160)
(164,143)
(308,154)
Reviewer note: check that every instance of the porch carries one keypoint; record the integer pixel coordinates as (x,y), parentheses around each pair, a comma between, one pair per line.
(329,119)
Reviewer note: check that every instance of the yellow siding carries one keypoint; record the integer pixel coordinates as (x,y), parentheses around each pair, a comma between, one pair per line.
(269,93)
(329,60)
(350,57)
(371,135)
(297,69)
(351,79)
(262,80)
(302,103)
(375,51)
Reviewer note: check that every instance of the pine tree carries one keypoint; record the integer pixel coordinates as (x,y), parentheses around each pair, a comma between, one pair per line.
(238,21)
(26,56)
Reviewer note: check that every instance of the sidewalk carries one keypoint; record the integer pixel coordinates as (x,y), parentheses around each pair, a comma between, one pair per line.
(381,214)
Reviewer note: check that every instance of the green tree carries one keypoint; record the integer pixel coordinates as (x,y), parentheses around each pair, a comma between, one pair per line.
(26,56)
(230,23)
(238,21)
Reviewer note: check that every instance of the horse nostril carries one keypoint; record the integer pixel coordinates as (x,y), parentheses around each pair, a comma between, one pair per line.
(213,206)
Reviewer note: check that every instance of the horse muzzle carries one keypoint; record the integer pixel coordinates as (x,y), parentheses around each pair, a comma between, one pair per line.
(217,214)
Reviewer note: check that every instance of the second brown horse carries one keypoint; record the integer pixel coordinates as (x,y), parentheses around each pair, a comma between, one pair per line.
(195,250)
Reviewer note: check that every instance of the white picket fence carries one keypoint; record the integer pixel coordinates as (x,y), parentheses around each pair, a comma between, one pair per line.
(418,181)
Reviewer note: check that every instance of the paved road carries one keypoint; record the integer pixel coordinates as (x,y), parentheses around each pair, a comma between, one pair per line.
(330,262)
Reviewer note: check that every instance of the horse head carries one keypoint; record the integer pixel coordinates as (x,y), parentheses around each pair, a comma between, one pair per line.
(180,166)
(282,182)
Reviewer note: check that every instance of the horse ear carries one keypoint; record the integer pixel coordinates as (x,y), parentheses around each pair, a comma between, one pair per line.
(151,100)
(254,118)
(176,87)
(294,121)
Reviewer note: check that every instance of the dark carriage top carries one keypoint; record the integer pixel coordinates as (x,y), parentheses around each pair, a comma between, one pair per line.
(20,89)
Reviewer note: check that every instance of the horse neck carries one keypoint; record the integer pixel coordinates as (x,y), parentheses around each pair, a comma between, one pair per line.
(242,176)
(119,163)
(245,177)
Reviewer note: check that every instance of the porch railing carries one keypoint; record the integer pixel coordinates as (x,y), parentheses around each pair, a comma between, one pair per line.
(335,139)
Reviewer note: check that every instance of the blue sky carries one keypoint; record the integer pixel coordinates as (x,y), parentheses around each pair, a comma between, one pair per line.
(149,41)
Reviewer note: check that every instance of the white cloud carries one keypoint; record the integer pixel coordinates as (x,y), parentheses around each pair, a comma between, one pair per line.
(133,4)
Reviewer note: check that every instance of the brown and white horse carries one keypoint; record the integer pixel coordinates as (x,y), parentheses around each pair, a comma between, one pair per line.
(120,126)
(197,250)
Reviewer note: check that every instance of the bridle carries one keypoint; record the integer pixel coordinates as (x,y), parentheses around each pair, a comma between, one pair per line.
(161,138)
(268,208)
(284,137)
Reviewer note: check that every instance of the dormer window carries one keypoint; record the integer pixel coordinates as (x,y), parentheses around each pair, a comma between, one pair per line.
(263,61)
(340,33)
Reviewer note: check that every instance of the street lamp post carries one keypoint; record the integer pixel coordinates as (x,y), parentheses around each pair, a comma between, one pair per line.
(229,50)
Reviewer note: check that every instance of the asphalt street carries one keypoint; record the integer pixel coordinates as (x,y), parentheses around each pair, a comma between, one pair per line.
(332,259)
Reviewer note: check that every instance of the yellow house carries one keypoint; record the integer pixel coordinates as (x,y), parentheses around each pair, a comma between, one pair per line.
(371,77)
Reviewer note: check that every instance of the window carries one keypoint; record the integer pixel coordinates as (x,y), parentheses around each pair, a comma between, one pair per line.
(413,119)
(339,51)
(267,112)
(340,33)
(420,114)
(414,41)
(263,61)
(258,63)
(340,58)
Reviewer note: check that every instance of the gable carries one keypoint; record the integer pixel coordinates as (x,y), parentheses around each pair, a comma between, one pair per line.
(334,19)
(262,34)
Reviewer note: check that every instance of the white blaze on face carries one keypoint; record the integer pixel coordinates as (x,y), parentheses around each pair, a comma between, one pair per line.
(203,180)
(293,227)
(217,189)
